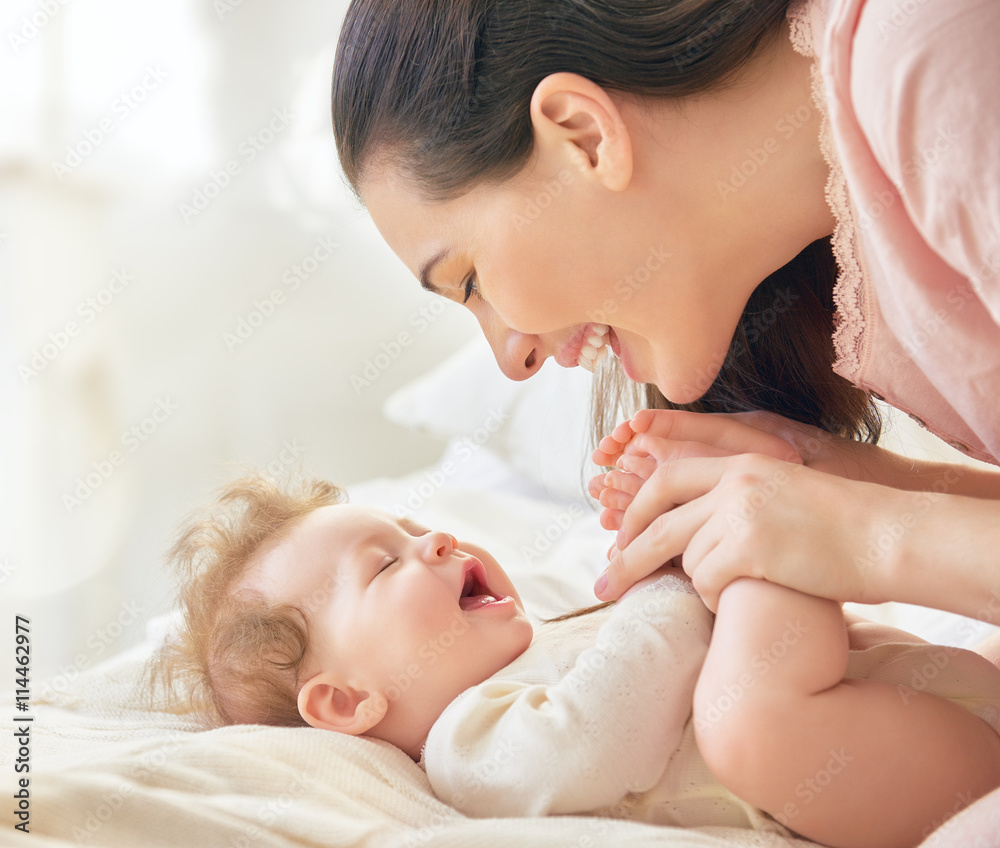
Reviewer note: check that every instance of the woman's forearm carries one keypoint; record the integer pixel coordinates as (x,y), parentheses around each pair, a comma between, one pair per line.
(940,551)
(941,477)
(860,461)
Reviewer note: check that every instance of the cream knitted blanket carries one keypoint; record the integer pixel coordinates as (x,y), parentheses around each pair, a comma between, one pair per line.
(107,769)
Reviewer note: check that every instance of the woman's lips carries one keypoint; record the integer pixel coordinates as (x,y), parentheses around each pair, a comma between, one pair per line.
(622,353)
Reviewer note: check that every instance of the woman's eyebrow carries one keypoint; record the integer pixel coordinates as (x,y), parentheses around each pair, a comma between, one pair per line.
(429,266)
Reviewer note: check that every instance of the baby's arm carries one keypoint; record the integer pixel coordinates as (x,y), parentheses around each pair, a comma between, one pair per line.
(844,762)
(513,746)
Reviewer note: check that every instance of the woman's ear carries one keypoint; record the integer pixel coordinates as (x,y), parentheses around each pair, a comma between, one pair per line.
(325,702)
(572,115)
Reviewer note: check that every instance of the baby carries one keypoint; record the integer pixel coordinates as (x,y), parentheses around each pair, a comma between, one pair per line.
(301,609)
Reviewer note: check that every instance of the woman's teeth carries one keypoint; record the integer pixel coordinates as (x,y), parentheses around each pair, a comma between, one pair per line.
(595,348)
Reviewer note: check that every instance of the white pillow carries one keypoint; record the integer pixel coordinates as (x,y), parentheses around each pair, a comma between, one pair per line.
(541,425)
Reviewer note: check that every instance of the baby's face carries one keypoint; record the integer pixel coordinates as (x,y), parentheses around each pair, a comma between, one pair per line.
(395,610)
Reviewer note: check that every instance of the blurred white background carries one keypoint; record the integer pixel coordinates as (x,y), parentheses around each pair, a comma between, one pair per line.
(185,285)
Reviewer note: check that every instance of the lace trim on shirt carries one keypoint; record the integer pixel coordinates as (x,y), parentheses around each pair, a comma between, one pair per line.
(849,294)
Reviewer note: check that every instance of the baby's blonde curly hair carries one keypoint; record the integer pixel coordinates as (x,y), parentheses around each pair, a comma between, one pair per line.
(237,657)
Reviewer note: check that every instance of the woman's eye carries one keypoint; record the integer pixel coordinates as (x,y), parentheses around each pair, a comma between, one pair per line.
(470,288)
(387,563)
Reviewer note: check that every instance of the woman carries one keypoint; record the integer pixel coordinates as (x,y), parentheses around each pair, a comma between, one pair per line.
(583,173)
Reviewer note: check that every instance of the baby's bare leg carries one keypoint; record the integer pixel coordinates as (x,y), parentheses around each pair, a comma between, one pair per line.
(844,762)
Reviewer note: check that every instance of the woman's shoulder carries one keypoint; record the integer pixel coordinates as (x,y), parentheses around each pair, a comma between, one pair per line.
(923,75)
(922,79)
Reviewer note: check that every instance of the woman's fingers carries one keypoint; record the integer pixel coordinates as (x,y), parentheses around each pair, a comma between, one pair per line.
(724,432)
(662,541)
(670,485)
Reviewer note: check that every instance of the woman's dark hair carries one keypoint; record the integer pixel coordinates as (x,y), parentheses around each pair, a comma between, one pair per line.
(441,89)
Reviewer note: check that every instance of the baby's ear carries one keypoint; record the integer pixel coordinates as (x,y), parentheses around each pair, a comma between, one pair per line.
(329,706)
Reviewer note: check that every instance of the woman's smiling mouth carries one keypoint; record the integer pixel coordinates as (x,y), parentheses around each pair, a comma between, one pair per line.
(587,347)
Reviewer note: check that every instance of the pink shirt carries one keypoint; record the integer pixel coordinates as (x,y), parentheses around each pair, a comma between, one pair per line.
(911,94)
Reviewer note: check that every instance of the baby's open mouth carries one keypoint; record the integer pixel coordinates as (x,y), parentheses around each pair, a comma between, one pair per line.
(475,591)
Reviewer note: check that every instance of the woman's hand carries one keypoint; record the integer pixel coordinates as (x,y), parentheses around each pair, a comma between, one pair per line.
(876,526)
(637,447)
(700,434)
(656,436)
(757,516)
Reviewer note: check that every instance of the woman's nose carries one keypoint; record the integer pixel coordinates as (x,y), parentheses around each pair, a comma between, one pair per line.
(518,355)
(437,547)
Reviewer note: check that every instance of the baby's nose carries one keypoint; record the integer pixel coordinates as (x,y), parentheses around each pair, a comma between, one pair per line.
(439,546)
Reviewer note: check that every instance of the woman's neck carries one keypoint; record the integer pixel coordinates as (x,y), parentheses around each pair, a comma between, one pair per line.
(746,164)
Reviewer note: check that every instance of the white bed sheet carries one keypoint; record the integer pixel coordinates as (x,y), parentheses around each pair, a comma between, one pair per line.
(107,769)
